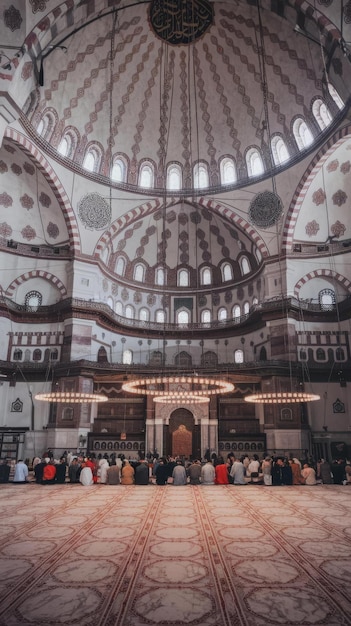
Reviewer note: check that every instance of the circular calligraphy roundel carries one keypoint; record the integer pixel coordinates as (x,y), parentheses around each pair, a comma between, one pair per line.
(94,211)
(180,21)
(265,209)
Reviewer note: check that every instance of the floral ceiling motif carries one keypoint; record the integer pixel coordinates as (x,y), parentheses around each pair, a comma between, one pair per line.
(5,199)
(12,18)
(333,166)
(345,167)
(312,228)
(338,229)
(339,198)
(319,197)
(5,230)
(28,233)
(53,230)
(27,202)
(37,5)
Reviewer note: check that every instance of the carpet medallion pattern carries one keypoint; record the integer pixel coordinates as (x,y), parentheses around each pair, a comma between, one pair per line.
(175,556)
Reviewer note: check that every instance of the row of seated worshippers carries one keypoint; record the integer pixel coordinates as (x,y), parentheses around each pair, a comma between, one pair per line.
(119,472)
(242,471)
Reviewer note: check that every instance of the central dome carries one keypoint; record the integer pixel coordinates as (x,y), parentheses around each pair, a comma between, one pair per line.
(172,99)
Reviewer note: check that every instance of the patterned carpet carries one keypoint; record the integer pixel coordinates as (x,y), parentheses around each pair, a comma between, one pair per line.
(146,556)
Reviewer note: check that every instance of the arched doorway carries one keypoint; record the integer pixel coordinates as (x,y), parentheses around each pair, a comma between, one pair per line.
(183,434)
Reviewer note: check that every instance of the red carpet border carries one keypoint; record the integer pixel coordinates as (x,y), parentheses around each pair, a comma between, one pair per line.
(175,556)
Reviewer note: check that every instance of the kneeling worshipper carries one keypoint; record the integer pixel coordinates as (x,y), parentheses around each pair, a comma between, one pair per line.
(179,474)
(142,473)
(49,472)
(86,477)
(113,475)
(21,472)
(127,473)
(61,469)
(309,474)
(4,472)
(102,470)
(221,473)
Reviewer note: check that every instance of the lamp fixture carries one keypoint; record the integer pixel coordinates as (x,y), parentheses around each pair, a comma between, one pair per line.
(178,387)
(283,397)
(71,397)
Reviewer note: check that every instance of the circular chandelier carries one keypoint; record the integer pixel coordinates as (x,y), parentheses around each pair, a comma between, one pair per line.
(178,387)
(188,398)
(71,397)
(283,397)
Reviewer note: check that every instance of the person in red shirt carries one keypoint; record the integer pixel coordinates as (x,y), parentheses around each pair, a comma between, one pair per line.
(221,472)
(49,473)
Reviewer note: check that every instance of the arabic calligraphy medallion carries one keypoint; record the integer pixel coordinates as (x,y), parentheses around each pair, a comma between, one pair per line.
(180,22)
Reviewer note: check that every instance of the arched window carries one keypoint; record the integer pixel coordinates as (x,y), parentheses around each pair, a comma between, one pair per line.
(227,272)
(254,300)
(327,299)
(238,356)
(160,276)
(144,315)
(245,265)
(205,276)
(183,317)
(53,355)
(209,359)
(183,359)
(119,170)
(46,126)
(102,355)
(156,358)
(174,176)
(263,354)
(228,171)
(236,312)
(127,357)
(322,114)
(17,355)
(279,150)
(254,163)
(120,266)
(110,302)
(139,272)
(206,316)
(119,308)
(200,176)
(320,354)
(63,147)
(92,159)
(146,175)
(37,355)
(246,308)
(302,134)
(339,354)
(222,314)
(160,316)
(337,99)
(33,300)
(67,413)
(129,312)
(303,355)
(183,278)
